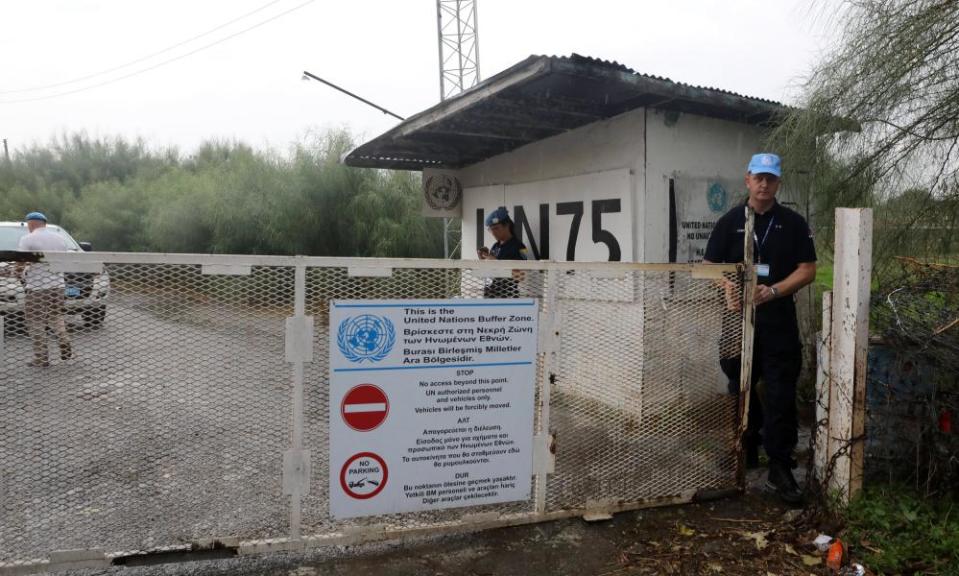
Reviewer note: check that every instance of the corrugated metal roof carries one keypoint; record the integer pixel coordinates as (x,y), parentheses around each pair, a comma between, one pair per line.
(623,68)
(540,97)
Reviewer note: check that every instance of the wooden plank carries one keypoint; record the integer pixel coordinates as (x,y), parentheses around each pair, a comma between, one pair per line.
(850,340)
(705,270)
(864,286)
(824,345)
(746,358)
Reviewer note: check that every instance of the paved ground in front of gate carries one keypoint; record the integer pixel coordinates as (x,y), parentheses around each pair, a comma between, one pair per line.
(748,535)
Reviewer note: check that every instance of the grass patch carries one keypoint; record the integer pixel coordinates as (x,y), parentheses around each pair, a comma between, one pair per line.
(824,274)
(895,531)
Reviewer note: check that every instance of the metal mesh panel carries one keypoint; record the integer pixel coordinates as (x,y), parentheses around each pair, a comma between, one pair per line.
(170,424)
(165,426)
(639,405)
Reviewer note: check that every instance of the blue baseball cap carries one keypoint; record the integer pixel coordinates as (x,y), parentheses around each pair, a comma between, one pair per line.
(501,214)
(35,216)
(765,163)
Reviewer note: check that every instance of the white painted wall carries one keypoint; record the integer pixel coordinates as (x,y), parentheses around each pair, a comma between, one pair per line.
(604,146)
(692,148)
(653,145)
(588,217)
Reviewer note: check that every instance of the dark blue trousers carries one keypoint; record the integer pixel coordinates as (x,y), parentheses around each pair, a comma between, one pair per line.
(777,361)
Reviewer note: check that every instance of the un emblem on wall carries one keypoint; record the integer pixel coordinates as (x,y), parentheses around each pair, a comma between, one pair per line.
(716,196)
(442,191)
(366,337)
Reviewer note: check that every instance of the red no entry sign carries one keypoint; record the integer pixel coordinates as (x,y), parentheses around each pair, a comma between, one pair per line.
(365,407)
(363,475)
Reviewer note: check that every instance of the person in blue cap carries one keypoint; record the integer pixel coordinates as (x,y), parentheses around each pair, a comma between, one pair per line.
(507,247)
(44,291)
(785,259)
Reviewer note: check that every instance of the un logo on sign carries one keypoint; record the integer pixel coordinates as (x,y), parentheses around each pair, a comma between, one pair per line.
(716,196)
(442,191)
(365,337)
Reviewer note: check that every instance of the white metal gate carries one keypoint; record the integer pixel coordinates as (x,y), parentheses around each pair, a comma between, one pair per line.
(191,410)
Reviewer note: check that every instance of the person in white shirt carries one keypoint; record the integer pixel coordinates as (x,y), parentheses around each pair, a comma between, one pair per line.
(44,291)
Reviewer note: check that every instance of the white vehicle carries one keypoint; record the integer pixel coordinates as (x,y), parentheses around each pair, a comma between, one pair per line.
(86,294)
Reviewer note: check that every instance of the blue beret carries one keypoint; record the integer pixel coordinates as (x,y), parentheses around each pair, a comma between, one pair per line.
(501,214)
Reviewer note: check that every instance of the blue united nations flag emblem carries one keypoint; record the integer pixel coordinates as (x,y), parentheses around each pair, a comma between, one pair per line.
(366,337)
(716,196)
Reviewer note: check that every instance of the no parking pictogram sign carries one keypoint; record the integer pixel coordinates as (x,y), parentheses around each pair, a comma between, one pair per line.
(365,407)
(363,475)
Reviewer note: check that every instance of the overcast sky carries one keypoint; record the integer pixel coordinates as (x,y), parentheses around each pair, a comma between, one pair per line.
(249,86)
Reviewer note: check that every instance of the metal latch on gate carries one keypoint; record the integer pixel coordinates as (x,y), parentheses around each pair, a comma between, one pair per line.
(296,472)
(299,339)
(549,333)
(544,458)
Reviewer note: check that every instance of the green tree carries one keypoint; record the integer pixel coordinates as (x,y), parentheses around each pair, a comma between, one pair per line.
(880,118)
(226,198)
(110,215)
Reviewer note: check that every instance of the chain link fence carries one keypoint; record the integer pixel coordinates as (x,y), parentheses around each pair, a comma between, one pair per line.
(167,428)
(913,388)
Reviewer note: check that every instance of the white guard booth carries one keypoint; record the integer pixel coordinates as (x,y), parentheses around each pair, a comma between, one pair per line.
(594,161)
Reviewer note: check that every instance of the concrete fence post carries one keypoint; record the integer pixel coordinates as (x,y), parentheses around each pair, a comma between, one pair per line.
(847,349)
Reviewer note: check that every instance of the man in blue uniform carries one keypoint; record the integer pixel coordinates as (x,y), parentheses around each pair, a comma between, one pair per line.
(785,260)
(507,247)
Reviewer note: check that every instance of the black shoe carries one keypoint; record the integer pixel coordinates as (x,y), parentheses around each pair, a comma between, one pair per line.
(780,480)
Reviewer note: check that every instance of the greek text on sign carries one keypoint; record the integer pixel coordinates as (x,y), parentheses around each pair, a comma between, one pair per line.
(431,404)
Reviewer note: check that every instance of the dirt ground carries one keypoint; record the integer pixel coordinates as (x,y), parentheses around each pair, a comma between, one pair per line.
(745,535)
(748,536)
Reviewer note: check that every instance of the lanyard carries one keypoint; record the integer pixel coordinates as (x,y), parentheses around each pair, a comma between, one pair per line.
(759,245)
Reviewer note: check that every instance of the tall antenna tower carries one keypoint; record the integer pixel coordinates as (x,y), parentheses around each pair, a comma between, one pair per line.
(458,46)
(458,38)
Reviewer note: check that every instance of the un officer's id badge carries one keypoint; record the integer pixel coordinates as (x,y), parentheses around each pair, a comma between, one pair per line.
(762,270)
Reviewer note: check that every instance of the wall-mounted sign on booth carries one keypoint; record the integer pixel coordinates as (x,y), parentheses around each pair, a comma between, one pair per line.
(695,206)
(442,193)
